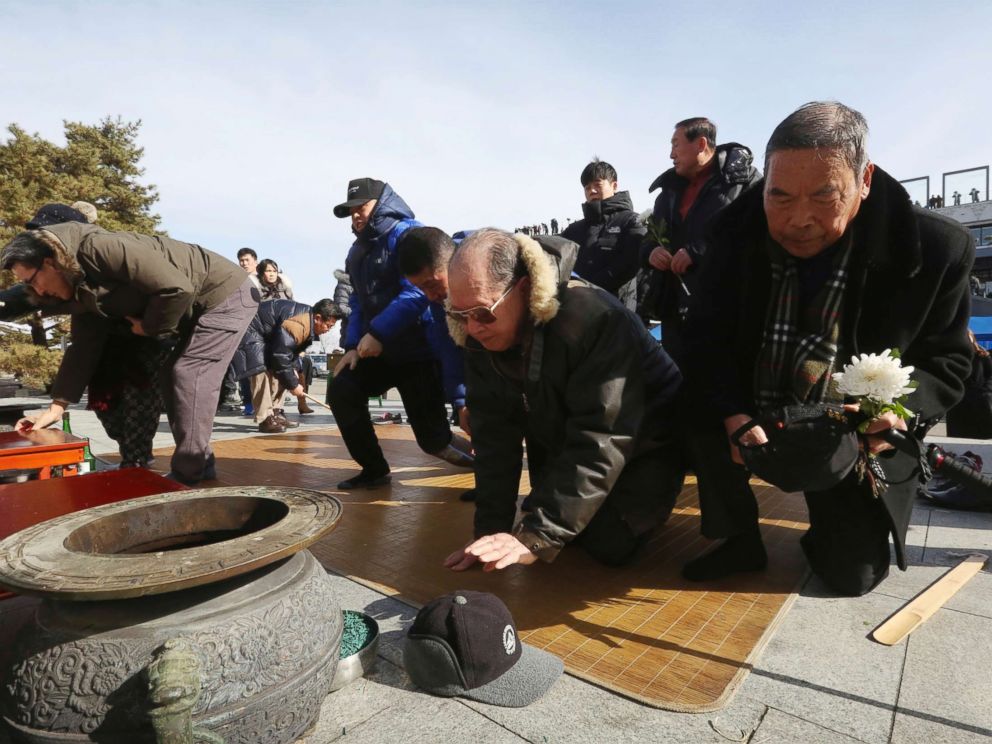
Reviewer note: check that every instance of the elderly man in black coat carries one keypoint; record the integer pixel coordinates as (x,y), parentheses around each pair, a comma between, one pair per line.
(828,259)
(563,364)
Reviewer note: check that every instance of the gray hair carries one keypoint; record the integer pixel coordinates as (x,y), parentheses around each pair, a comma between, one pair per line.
(824,125)
(502,252)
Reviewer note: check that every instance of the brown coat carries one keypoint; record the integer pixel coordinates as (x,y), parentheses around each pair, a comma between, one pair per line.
(165,282)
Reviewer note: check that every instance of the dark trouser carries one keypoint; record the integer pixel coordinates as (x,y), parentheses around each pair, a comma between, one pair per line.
(641,501)
(726,501)
(126,395)
(192,386)
(847,544)
(420,387)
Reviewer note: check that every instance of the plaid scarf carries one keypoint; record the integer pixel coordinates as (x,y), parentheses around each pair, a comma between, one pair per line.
(800,345)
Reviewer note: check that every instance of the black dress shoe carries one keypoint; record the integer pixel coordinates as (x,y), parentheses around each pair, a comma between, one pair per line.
(736,554)
(365,480)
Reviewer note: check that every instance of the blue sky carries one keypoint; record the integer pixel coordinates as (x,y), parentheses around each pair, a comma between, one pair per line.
(255,115)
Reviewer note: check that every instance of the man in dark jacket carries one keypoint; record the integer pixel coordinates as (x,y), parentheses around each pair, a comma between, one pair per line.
(563,363)
(280,331)
(386,346)
(157,287)
(609,235)
(826,260)
(703,180)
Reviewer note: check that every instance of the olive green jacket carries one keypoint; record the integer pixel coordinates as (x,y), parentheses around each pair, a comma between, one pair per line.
(165,282)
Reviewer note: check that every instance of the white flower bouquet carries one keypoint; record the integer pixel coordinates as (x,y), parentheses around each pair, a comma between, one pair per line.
(879,382)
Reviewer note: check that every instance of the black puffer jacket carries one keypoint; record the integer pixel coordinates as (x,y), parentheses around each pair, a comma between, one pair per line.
(732,174)
(588,387)
(278,333)
(609,238)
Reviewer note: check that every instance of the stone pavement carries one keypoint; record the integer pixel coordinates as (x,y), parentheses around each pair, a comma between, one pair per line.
(820,679)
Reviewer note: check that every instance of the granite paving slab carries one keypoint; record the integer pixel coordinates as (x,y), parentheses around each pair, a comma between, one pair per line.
(946,693)
(822,667)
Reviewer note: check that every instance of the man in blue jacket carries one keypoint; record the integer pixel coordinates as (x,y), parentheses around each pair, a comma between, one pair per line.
(386,345)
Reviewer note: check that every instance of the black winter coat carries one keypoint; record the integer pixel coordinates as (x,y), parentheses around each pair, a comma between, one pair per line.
(267,344)
(732,174)
(592,385)
(609,238)
(907,289)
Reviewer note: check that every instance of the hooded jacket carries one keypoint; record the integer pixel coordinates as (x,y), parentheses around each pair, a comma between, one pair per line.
(732,173)
(383,303)
(165,282)
(588,386)
(609,237)
(274,339)
(907,289)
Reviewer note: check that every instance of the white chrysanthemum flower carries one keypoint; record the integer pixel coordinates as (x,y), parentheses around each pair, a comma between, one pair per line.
(880,377)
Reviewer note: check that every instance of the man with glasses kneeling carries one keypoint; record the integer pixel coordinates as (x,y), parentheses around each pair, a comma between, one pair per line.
(563,363)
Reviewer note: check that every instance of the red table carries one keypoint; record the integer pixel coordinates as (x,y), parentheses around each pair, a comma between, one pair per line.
(26,504)
(41,450)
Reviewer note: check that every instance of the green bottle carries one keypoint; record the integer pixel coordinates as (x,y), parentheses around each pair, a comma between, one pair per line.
(88,465)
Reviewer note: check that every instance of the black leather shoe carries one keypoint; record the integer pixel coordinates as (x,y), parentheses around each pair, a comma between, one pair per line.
(365,480)
(736,554)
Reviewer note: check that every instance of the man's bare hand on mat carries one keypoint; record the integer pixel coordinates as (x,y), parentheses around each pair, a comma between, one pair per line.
(461,559)
(494,551)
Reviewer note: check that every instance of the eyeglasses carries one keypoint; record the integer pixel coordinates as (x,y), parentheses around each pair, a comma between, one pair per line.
(30,280)
(481,314)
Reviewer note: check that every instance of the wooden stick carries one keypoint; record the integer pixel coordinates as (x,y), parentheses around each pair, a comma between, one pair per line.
(320,403)
(917,611)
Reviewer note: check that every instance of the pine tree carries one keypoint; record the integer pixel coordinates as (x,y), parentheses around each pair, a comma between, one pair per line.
(99,164)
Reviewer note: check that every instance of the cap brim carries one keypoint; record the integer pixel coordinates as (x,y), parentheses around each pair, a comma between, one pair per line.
(343,210)
(525,682)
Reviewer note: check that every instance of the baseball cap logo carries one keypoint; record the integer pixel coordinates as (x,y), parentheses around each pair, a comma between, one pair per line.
(352,190)
(509,640)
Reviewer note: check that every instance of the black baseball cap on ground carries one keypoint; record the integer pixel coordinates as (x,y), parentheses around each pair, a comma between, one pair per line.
(466,644)
(360,191)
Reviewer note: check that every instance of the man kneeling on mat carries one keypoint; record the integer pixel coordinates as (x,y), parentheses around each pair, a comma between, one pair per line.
(563,363)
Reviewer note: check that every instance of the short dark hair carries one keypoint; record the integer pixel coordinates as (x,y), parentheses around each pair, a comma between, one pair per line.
(424,248)
(25,249)
(326,309)
(597,170)
(824,125)
(698,126)
(247,252)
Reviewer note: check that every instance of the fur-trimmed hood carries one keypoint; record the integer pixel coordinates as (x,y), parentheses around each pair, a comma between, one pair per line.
(549,260)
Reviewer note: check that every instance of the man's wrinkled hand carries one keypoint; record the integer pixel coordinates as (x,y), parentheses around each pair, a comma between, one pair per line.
(660,259)
(681,261)
(499,551)
(461,560)
(369,346)
(349,360)
(752,438)
(886,421)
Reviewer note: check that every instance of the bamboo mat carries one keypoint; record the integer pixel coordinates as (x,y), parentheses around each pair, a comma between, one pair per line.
(639,630)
